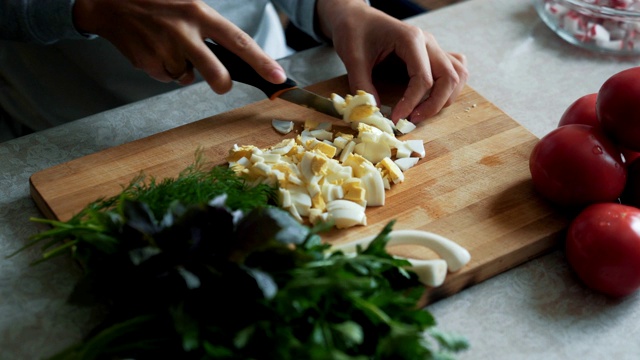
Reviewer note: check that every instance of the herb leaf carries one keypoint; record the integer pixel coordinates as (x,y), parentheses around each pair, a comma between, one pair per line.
(202,267)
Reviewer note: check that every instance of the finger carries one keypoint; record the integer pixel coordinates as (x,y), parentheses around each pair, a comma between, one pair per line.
(163,63)
(156,70)
(187,77)
(144,59)
(176,69)
(433,104)
(428,108)
(461,58)
(211,69)
(459,62)
(249,51)
(417,60)
(240,43)
(446,81)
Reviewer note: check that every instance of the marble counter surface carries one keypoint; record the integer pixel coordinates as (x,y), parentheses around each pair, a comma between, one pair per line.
(535,311)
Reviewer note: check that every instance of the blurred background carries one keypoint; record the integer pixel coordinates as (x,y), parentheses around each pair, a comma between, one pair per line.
(400,9)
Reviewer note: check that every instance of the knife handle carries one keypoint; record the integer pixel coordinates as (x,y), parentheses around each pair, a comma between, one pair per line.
(242,72)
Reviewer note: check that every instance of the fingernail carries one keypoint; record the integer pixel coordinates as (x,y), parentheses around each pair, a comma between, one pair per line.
(278,76)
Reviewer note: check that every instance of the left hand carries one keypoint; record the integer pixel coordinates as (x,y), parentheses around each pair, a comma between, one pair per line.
(363,36)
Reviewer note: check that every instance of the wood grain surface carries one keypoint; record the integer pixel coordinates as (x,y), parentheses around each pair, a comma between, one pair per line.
(472,187)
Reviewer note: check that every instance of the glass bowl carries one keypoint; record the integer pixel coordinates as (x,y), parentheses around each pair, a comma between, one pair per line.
(605,26)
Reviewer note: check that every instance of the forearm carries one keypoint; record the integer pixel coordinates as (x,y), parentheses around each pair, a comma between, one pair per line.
(41,21)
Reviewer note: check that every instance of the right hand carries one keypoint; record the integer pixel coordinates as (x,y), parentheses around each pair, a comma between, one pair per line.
(165,38)
(364,36)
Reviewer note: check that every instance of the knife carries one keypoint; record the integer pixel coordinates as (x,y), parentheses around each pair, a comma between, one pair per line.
(242,72)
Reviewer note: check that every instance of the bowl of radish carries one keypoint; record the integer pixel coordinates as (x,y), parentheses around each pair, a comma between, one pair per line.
(604,26)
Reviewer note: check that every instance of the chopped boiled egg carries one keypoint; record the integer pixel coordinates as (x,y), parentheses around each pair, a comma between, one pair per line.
(406,163)
(310,124)
(321,134)
(332,192)
(361,108)
(359,164)
(284,197)
(326,149)
(354,191)
(372,151)
(405,126)
(368,133)
(340,142)
(347,151)
(331,175)
(390,170)
(346,213)
(317,202)
(403,151)
(374,188)
(283,147)
(347,137)
(282,126)
(238,152)
(317,215)
(417,146)
(300,200)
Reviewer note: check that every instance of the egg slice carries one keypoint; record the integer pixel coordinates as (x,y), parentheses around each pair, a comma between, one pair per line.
(405,126)
(346,213)
(390,170)
(406,163)
(282,126)
(416,146)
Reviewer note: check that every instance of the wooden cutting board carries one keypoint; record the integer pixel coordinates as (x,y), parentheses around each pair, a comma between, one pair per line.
(473,186)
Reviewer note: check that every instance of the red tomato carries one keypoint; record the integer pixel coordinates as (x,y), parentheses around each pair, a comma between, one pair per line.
(603,248)
(618,108)
(581,111)
(577,165)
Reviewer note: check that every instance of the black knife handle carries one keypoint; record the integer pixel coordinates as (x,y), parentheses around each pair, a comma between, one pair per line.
(242,72)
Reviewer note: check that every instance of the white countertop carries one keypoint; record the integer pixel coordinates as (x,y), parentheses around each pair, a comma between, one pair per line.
(535,311)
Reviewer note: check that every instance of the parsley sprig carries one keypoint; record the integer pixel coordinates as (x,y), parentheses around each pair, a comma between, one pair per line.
(187,277)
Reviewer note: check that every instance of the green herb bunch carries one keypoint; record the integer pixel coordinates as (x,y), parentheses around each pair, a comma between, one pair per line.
(186,277)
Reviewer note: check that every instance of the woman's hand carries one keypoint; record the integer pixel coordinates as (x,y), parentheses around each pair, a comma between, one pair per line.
(165,38)
(363,37)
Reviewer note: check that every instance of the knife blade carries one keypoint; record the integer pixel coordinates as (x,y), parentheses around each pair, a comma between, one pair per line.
(242,72)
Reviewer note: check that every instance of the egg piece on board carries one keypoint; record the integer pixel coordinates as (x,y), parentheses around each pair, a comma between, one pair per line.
(282,126)
(405,126)
(416,146)
(390,170)
(346,213)
(406,163)
(320,168)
